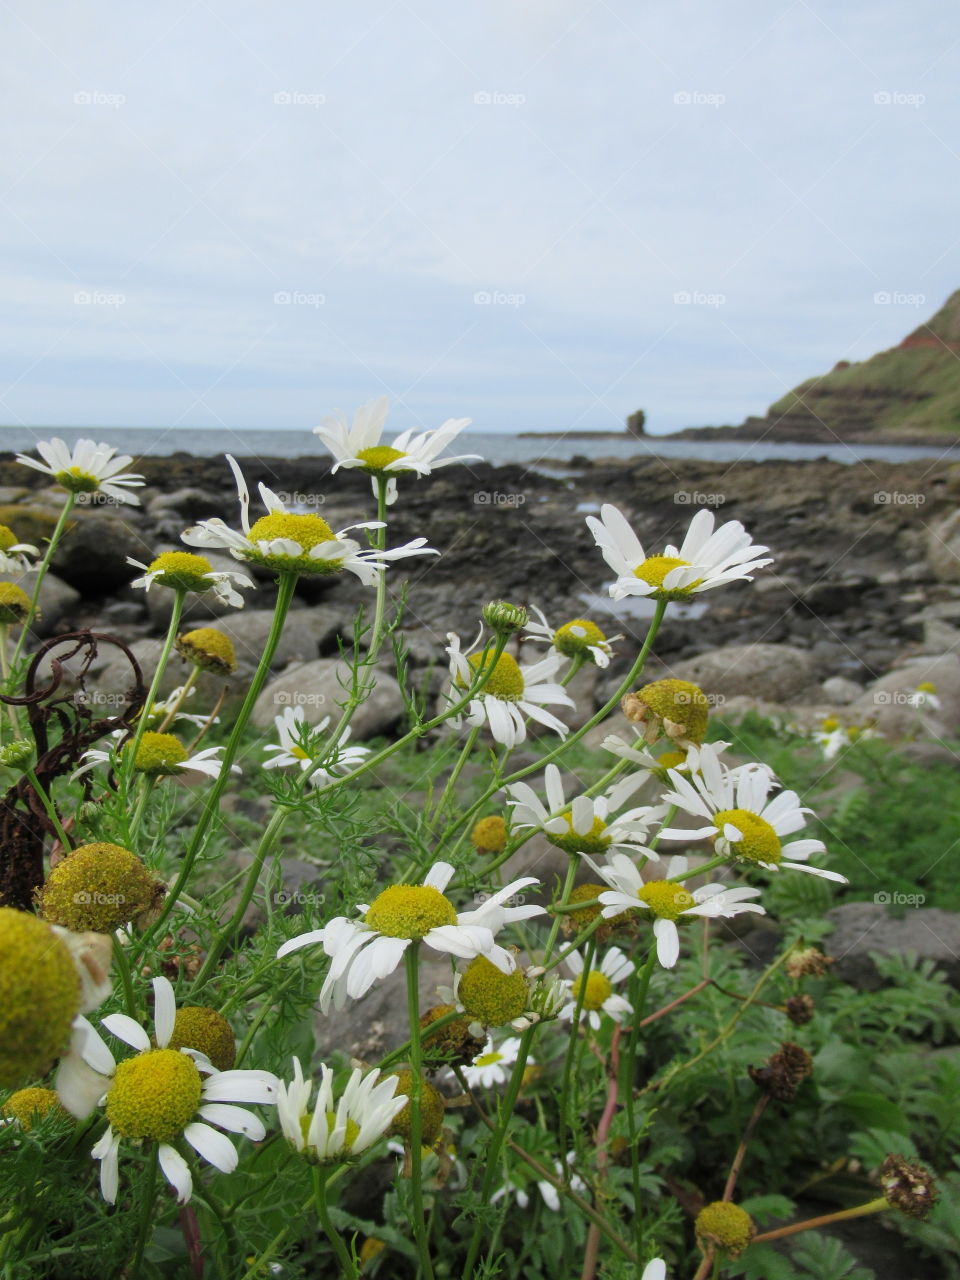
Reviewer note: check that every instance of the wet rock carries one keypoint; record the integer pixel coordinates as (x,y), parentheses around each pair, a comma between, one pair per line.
(93,555)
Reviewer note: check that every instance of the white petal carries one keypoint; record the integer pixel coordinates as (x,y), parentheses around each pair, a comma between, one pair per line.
(216,1148)
(176,1171)
(235,1119)
(125,1029)
(668,942)
(164,1010)
(439,876)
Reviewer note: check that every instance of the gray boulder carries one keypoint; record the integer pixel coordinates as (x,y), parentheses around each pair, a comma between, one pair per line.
(885,701)
(862,928)
(943,548)
(774,672)
(319,688)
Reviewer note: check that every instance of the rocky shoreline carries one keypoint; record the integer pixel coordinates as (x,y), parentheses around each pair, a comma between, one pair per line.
(866,575)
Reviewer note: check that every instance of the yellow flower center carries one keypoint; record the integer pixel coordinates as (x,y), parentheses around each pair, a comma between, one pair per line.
(349,1137)
(8,538)
(577,637)
(506,679)
(154,1095)
(492,997)
(598,989)
(655,568)
(29,1105)
(666,899)
(159,753)
(410,911)
(725,1224)
(197,1027)
(488,1059)
(182,571)
(490,835)
(760,842)
(77,481)
(926,686)
(830,724)
(379,457)
(39,996)
(14,604)
(592,841)
(299,753)
(209,649)
(306,531)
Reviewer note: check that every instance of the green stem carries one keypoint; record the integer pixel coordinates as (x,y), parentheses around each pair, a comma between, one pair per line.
(285,590)
(42,573)
(347,1267)
(121,960)
(825,1220)
(640,987)
(49,809)
(575,664)
(129,751)
(149,782)
(416,1091)
(468,746)
(146,1210)
(174,711)
(562,1126)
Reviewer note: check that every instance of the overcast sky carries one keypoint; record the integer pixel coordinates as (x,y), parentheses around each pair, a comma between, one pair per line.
(249,214)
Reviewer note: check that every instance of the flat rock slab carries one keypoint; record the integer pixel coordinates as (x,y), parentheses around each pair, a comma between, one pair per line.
(860,928)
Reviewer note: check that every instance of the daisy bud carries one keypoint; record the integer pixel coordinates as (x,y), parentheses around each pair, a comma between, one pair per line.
(800,1009)
(209,649)
(40,995)
(431,1110)
(490,835)
(27,1106)
(16,754)
(182,571)
(576,921)
(807,962)
(674,709)
(14,604)
(723,1225)
(196,1027)
(504,618)
(492,997)
(453,1043)
(907,1186)
(158,754)
(99,887)
(784,1073)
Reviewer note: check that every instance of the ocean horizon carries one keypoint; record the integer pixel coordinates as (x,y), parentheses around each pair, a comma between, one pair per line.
(546,452)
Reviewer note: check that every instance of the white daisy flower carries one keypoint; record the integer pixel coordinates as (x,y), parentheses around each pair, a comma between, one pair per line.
(161,1095)
(358,445)
(365,950)
(303,543)
(87,468)
(585,825)
(181,570)
(491,1066)
(597,986)
(511,693)
(14,555)
(924,696)
(339,1128)
(656,1269)
(742,821)
(159,755)
(550,1194)
(668,900)
(300,747)
(163,706)
(704,559)
(581,637)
